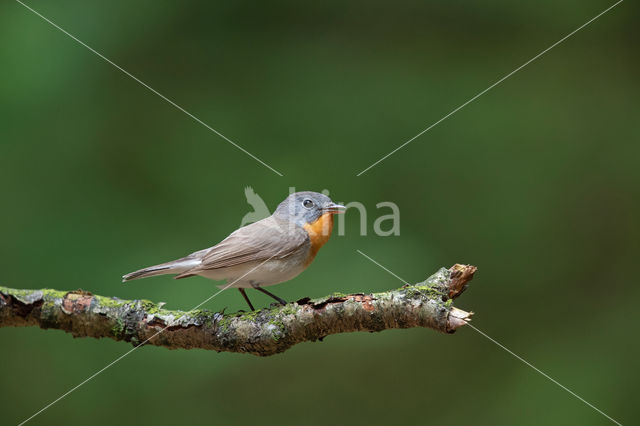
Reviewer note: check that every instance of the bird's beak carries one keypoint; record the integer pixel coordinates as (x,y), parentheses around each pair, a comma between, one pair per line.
(334,208)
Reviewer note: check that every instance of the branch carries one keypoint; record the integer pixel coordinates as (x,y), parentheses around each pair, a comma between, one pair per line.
(264,332)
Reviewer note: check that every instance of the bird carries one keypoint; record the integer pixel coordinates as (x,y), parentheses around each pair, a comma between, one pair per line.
(264,253)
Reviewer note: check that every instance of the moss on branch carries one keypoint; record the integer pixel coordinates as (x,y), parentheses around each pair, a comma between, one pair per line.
(264,332)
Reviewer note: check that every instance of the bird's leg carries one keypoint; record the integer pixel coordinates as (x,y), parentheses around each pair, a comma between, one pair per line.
(279,299)
(246,298)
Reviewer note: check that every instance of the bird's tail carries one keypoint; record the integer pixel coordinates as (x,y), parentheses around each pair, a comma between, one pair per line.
(174,267)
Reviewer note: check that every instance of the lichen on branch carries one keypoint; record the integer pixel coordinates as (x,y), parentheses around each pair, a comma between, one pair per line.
(264,332)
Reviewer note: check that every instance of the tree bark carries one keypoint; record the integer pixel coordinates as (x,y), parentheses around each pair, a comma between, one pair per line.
(264,332)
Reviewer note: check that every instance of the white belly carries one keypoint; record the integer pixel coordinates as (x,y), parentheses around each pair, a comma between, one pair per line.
(247,275)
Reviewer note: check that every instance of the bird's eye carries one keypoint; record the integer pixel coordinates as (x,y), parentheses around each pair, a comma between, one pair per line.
(307,203)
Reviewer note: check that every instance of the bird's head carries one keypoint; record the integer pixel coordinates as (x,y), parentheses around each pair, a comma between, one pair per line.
(307,208)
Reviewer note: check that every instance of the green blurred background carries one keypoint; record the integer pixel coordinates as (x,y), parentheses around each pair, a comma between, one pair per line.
(537,183)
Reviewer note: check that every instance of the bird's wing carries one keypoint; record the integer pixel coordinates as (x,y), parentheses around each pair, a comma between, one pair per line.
(267,238)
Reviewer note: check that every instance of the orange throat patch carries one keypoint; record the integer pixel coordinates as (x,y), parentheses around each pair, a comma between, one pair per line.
(319,233)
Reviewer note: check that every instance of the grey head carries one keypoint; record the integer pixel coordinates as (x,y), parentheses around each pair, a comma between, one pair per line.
(306,207)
